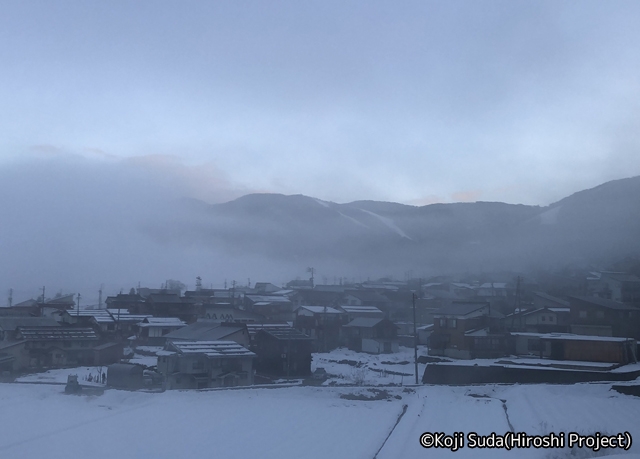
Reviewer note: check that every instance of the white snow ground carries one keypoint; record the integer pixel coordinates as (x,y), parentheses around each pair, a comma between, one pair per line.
(368,369)
(299,422)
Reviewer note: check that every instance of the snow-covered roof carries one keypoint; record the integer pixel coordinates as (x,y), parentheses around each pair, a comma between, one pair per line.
(497,285)
(99,315)
(212,349)
(204,330)
(321,309)
(123,315)
(361,309)
(268,298)
(162,322)
(57,333)
(572,337)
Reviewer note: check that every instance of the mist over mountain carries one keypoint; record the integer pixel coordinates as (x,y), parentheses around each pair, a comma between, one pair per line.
(96,224)
(590,227)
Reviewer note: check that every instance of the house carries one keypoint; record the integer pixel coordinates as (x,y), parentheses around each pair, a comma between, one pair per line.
(153,329)
(126,323)
(353,312)
(617,286)
(224,312)
(492,289)
(365,298)
(14,355)
(322,323)
(371,335)
(211,330)
(24,308)
(424,333)
(273,307)
(284,352)
(320,295)
(254,328)
(604,317)
(58,346)
(55,305)
(265,288)
(300,284)
(203,364)
(458,328)
(9,326)
(485,343)
(541,320)
(125,301)
(543,300)
(98,319)
(170,305)
(108,353)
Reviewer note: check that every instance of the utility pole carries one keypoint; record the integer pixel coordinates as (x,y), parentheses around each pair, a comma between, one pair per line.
(100,297)
(43,294)
(289,354)
(10,297)
(233,294)
(415,338)
(78,312)
(324,330)
(311,270)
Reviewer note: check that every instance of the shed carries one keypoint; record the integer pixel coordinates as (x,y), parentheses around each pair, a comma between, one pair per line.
(125,376)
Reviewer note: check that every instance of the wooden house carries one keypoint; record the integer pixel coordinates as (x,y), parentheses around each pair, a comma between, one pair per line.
(284,352)
(604,317)
(371,335)
(204,364)
(322,323)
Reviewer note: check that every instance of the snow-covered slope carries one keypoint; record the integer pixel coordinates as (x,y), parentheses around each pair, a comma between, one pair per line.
(300,422)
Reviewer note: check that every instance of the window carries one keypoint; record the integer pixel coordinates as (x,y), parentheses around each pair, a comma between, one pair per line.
(443,323)
(453,323)
(198,365)
(544,318)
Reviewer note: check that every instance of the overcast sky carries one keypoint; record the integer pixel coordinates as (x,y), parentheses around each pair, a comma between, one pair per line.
(414,102)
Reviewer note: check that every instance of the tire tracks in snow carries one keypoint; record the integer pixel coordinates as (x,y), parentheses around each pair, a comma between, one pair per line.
(404,410)
(70,427)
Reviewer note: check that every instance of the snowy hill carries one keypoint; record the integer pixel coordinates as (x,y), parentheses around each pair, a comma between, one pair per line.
(601,223)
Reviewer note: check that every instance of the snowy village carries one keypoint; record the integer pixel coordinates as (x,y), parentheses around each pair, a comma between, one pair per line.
(396,347)
(319,229)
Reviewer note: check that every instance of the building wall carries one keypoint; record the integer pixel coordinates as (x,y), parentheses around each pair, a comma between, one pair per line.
(594,351)
(379,346)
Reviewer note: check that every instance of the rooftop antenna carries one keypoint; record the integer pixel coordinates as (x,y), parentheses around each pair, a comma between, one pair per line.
(78,312)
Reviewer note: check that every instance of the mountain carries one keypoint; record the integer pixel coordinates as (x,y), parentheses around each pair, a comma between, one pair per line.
(591,226)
